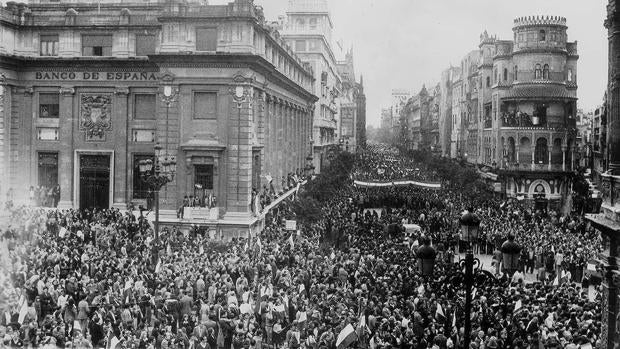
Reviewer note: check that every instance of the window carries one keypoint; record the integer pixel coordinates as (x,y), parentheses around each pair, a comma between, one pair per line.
(570,75)
(300,45)
(206,39)
(49,105)
(205,105)
(145,44)
(48,169)
(144,106)
(204,176)
(546,72)
(488,81)
(49,45)
(140,187)
(505,74)
(541,153)
(537,72)
(313,23)
(301,23)
(542,36)
(96,45)
(495,75)
(516,73)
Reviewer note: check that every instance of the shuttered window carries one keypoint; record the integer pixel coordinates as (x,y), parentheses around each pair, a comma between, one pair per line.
(205,105)
(144,107)
(206,39)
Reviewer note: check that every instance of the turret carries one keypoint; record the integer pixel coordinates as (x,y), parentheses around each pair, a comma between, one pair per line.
(540,32)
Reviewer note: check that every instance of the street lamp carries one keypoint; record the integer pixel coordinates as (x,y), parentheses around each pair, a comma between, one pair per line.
(470,223)
(158,172)
(510,255)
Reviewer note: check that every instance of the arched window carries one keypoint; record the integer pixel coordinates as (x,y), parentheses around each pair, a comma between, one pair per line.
(538,72)
(541,153)
(525,151)
(505,74)
(516,72)
(511,150)
(495,76)
(570,75)
(542,36)
(488,81)
(546,72)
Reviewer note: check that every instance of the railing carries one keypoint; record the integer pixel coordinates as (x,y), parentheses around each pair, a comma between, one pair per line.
(537,167)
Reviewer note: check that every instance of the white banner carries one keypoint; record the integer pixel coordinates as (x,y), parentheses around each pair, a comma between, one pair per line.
(398,183)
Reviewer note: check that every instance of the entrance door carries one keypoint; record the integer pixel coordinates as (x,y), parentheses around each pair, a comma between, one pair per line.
(94,181)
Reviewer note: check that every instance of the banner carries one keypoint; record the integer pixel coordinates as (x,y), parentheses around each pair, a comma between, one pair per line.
(398,183)
(290,224)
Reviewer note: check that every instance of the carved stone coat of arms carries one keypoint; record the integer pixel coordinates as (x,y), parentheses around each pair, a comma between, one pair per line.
(95,114)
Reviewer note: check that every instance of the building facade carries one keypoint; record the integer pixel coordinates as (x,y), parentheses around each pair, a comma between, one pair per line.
(446,84)
(308,31)
(533,107)
(86,97)
(352,106)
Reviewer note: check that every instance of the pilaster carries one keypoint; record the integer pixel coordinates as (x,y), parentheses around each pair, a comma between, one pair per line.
(65,158)
(122,158)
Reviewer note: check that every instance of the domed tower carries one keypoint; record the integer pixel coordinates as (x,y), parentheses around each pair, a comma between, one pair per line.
(534,102)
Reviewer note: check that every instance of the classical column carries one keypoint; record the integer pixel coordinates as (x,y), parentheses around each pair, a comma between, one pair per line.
(65,158)
(239,186)
(122,158)
(564,147)
(280,144)
(267,141)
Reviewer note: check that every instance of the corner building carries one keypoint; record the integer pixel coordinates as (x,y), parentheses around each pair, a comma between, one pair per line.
(82,102)
(529,137)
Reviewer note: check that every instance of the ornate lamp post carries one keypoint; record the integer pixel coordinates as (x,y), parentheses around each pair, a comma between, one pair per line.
(510,255)
(469,228)
(160,171)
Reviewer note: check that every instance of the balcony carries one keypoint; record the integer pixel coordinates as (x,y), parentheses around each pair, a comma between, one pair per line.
(523,120)
(325,123)
(529,167)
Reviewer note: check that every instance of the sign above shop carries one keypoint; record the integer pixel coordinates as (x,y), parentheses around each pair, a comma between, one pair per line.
(98,76)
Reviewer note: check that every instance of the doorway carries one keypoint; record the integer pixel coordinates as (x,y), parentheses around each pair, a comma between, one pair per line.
(94,181)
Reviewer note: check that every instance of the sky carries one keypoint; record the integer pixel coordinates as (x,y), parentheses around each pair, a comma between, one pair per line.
(403,44)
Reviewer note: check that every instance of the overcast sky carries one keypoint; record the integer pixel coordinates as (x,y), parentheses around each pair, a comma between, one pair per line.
(407,43)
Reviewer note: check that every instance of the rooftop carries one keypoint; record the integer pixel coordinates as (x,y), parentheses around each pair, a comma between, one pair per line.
(308,6)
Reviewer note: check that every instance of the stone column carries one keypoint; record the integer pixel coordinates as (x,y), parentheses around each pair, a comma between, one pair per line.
(121,155)
(4,163)
(564,148)
(278,150)
(267,135)
(286,164)
(66,157)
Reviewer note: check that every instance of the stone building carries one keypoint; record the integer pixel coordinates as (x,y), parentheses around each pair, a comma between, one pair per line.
(308,30)
(533,108)
(83,102)
(352,106)
(448,78)
(429,123)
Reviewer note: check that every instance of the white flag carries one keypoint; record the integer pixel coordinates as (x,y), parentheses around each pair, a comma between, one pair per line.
(291,241)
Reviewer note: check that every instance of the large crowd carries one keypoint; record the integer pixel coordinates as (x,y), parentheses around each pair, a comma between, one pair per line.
(99,279)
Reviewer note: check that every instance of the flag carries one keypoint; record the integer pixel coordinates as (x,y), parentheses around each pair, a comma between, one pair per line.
(302,317)
(439,314)
(291,241)
(518,307)
(332,255)
(23,311)
(158,266)
(346,337)
(114,342)
(62,232)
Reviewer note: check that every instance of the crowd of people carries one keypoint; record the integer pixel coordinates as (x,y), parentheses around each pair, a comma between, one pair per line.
(382,163)
(100,279)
